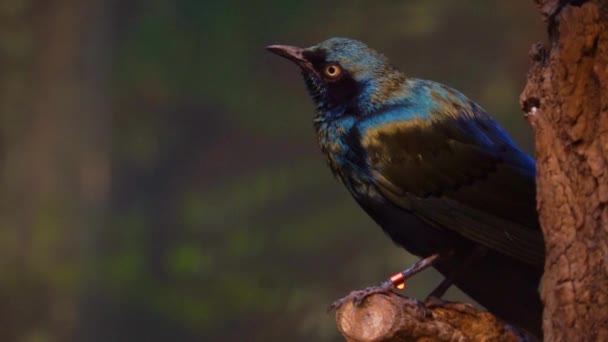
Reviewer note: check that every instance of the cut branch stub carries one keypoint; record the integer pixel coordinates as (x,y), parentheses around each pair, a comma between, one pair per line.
(394,318)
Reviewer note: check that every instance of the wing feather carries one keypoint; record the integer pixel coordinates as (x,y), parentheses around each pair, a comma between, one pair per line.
(460,173)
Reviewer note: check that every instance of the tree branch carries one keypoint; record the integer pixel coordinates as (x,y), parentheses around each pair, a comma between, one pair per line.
(394,318)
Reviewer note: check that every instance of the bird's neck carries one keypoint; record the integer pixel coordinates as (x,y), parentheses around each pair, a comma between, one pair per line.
(386,89)
(334,123)
(332,136)
(339,141)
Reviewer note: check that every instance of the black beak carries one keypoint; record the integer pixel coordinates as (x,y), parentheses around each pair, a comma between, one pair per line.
(293,53)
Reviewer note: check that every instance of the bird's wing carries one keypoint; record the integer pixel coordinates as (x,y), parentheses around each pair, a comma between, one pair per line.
(461,173)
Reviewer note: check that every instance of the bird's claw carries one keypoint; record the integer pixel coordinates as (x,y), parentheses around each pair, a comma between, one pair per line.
(421,308)
(358,297)
(434,302)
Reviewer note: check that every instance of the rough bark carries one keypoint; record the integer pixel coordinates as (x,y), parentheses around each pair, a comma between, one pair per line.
(566,98)
(394,318)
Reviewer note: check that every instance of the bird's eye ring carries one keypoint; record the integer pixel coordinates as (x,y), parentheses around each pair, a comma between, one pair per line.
(332,71)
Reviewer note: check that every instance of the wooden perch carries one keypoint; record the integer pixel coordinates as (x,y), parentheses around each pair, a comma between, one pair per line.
(394,318)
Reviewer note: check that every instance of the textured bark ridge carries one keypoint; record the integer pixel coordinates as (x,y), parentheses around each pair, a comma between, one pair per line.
(383,318)
(566,101)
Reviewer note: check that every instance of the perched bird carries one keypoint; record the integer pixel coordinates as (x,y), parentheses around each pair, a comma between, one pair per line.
(434,170)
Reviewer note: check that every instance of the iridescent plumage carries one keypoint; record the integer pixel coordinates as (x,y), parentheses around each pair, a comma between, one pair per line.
(433,170)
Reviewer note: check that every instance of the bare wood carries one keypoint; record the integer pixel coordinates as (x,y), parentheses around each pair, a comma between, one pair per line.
(566,98)
(394,318)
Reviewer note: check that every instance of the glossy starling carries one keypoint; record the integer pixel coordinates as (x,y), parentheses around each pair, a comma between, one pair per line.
(433,169)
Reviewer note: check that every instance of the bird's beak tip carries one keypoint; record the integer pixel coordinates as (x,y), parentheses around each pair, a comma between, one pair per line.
(273,48)
(290,52)
(294,54)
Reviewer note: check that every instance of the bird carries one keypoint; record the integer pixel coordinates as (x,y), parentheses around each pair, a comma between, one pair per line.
(434,170)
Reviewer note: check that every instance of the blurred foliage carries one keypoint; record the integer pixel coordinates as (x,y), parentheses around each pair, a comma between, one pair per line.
(161,179)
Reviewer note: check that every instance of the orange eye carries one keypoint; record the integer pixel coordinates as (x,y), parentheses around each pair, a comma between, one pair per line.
(332,71)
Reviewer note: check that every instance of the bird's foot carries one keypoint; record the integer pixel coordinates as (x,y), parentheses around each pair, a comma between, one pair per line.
(421,307)
(434,302)
(358,297)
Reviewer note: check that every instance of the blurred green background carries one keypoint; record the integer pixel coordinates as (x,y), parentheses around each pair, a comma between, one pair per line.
(160,175)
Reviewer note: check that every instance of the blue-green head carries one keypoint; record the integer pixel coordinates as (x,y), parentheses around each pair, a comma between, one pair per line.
(345,76)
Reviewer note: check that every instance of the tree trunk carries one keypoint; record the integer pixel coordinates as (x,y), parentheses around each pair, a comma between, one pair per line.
(566,99)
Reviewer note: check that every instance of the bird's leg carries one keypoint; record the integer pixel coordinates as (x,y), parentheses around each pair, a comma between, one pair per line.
(358,296)
(434,298)
(395,281)
(441,289)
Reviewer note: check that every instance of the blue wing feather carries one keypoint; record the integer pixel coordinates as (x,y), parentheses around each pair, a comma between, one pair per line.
(451,165)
